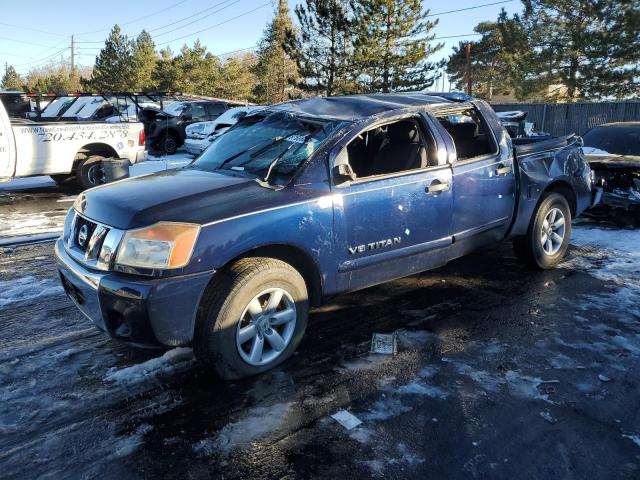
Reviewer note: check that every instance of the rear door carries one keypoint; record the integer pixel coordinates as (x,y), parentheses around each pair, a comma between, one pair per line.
(483,176)
(7,146)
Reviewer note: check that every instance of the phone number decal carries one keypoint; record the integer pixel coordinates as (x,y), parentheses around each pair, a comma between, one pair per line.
(66,134)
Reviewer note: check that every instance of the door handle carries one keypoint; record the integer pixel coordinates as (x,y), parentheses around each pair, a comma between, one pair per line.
(501,171)
(438,187)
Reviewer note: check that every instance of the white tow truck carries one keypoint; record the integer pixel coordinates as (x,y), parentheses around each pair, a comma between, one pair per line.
(66,148)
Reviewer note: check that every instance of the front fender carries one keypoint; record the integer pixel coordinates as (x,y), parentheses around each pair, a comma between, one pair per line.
(306,225)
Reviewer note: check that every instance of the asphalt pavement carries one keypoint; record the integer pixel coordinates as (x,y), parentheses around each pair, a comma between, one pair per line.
(500,373)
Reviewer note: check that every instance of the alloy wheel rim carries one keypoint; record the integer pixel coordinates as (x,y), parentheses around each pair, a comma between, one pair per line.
(266,327)
(96,175)
(552,232)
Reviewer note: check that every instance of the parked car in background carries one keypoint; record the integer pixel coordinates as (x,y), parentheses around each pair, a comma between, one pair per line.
(166,129)
(201,134)
(613,152)
(305,200)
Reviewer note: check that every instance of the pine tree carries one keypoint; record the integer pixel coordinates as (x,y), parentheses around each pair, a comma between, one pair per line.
(144,62)
(53,78)
(165,75)
(322,50)
(11,80)
(197,70)
(589,48)
(490,67)
(236,79)
(114,66)
(392,43)
(275,70)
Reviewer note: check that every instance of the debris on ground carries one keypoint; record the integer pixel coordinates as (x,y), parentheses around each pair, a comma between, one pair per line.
(603,378)
(346,419)
(385,343)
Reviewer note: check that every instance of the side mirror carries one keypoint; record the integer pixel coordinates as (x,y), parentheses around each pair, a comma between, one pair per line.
(341,167)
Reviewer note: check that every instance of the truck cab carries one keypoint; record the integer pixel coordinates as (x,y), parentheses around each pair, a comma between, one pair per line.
(305,200)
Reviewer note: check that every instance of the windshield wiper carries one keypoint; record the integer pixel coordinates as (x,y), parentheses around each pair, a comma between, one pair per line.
(265,181)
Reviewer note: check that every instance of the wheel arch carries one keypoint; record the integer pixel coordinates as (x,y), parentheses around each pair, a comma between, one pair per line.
(565,189)
(103,149)
(294,256)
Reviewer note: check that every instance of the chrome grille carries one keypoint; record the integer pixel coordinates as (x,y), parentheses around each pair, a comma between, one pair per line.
(91,243)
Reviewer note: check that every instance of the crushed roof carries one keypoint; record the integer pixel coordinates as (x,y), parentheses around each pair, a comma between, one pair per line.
(355,107)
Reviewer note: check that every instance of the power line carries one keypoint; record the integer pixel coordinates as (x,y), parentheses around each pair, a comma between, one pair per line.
(138,19)
(198,19)
(21,27)
(26,43)
(469,8)
(40,60)
(177,21)
(217,24)
(187,18)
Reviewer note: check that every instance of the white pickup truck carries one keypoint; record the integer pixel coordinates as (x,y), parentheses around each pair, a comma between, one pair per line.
(65,149)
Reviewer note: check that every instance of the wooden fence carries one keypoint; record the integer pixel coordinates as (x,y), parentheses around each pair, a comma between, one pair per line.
(564,118)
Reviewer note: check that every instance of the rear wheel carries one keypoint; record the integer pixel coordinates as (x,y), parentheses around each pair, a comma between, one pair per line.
(252,317)
(90,172)
(547,239)
(169,143)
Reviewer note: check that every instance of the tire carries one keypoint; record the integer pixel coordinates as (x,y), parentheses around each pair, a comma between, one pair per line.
(530,248)
(249,284)
(89,172)
(168,143)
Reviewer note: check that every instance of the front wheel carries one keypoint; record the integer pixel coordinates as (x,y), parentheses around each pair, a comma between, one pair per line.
(547,239)
(252,317)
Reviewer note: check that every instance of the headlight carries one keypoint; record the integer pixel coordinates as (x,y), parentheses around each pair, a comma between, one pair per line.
(163,245)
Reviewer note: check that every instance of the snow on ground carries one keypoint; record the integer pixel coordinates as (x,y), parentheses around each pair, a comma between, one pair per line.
(30,223)
(178,359)
(26,289)
(255,424)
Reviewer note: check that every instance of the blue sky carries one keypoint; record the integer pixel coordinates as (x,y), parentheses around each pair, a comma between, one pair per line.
(29,39)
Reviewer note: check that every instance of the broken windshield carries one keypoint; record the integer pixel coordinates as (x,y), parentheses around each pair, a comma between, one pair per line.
(257,141)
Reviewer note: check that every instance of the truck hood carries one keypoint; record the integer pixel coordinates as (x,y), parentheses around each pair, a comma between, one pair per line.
(182,195)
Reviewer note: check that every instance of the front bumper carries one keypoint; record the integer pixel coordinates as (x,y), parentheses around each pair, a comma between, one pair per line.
(152,312)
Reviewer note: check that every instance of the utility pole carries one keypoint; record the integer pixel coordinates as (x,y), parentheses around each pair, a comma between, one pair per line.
(468,69)
(443,74)
(73,56)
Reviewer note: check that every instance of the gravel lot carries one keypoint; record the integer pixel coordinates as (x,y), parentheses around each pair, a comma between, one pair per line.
(500,373)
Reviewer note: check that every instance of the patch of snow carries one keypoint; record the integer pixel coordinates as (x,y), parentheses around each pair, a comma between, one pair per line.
(370,362)
(29,223)
(524,386)
(385,408)
(414,338)
(127,445)
(548,417)
(177,359)
(254,425)
(26,289)
(634,438)
(417,388)
(404,457)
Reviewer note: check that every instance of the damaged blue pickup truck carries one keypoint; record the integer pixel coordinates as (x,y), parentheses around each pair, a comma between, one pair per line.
(304,200)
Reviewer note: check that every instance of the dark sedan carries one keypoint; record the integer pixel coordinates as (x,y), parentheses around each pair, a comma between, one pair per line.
(166,128)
